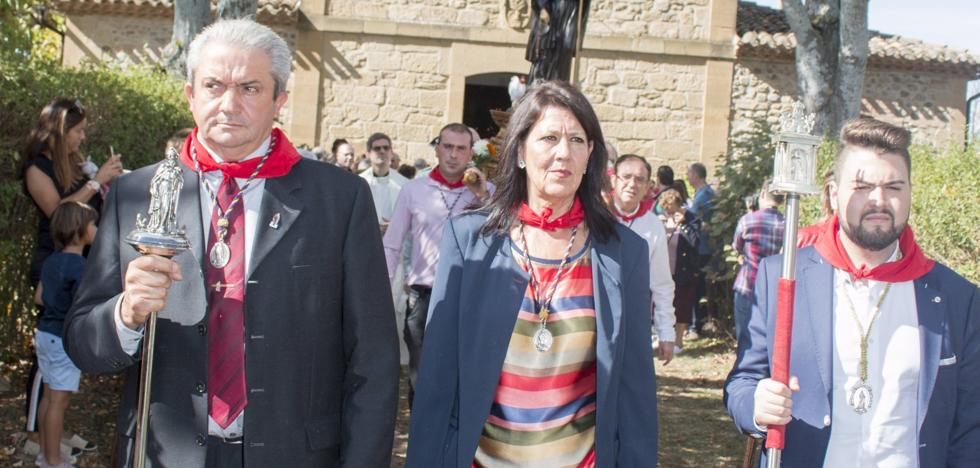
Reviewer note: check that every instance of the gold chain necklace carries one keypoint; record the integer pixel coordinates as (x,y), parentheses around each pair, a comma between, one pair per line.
(861,397)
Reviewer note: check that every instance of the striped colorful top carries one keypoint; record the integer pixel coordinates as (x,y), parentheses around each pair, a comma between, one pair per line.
(543,412)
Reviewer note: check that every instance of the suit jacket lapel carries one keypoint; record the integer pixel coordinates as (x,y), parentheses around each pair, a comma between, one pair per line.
(815,302)
(279,210)
(606,273)
(189,217)
(931,309)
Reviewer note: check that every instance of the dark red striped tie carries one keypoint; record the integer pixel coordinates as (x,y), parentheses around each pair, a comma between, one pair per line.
(226,314)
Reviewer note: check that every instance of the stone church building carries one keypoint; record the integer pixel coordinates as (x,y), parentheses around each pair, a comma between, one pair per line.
(671,80)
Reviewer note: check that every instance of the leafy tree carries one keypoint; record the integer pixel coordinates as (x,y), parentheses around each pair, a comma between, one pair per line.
(29,28)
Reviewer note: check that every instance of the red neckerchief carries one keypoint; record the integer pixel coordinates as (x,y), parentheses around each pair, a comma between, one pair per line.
(565,221)
(641,210)
(437,176)
(281,159)
(809,235)
(911,266)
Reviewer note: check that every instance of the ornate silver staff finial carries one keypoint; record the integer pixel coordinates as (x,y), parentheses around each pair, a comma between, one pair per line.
(159,233)
(795,164)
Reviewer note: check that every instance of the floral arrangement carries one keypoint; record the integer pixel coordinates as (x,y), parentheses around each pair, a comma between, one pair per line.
(484,154)
(484,157)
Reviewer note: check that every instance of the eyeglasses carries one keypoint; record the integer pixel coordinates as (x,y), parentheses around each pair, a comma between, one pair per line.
(635,179)
(380,149)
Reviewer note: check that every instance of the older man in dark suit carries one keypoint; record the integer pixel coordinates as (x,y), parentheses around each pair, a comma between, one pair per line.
(276,339)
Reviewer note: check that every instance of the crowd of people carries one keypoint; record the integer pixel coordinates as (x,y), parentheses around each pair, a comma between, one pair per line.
(532,302)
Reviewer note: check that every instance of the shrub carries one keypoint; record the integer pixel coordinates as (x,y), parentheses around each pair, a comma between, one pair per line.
(134,109)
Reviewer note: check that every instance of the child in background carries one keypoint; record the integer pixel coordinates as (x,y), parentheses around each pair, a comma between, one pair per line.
(73,228)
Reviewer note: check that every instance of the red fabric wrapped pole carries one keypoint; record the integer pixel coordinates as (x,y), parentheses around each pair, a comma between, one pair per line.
(782,343)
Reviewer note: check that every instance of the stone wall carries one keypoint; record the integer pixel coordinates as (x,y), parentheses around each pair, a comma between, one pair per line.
(131,39)
(382,86)
(653,108)
(647,106)
(670,19)
(929,104)
(349,85)
(453,12)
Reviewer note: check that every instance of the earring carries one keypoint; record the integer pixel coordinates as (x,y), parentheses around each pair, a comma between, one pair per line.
(521,164)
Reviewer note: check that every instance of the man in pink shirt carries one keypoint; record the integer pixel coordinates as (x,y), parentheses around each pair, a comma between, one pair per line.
(422,209)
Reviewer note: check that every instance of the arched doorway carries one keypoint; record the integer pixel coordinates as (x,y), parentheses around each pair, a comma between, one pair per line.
(484,92)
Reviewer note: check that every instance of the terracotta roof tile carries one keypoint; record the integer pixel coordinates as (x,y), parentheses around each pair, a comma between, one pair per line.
(764,32)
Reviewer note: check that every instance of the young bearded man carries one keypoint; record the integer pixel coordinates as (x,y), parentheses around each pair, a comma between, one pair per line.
(885,357)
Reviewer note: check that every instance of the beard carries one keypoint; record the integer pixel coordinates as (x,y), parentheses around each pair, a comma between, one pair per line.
(873,239)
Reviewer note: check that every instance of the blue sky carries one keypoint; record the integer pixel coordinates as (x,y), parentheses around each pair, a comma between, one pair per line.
(952,22)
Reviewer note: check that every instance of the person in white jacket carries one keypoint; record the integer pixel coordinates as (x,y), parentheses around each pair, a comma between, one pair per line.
(630,183)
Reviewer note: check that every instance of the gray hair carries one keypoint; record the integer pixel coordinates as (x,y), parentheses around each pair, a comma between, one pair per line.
(248,35)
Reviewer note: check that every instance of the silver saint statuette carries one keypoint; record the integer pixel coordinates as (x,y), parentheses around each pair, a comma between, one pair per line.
(158,234)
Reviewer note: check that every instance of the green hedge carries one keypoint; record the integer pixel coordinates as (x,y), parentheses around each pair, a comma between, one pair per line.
(135,110)
(945,190)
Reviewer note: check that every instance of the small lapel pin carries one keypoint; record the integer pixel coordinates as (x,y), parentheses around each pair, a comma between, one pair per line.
(274,224)
(937,299)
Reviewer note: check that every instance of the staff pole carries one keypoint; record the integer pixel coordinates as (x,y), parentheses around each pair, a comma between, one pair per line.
(794,167)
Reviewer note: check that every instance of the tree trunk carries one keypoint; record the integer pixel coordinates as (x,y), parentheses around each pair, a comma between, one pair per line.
(831,56)
(851,63)
(237,9)
(190,17)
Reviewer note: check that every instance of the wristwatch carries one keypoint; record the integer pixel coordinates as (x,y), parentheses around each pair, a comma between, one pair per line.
(94,185)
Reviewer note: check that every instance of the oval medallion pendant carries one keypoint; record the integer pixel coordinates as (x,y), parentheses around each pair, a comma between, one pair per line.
(860,398)
(220,254)
(543,339)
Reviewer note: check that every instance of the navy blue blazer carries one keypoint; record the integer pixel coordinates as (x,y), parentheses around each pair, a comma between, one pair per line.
(949,377)
(475,300)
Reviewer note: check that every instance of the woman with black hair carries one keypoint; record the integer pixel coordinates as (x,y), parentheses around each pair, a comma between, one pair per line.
(538,348)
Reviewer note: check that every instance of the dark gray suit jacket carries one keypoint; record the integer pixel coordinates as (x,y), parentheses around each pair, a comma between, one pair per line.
(321,352)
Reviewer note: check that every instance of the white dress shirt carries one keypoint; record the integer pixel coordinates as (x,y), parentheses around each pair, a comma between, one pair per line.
(652,229)
(887,435)
(384,190)
(252,199)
